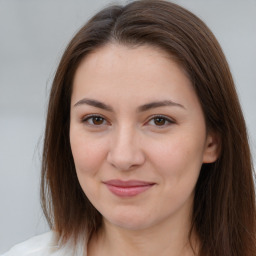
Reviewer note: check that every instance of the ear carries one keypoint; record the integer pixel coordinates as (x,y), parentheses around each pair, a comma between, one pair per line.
(212,147)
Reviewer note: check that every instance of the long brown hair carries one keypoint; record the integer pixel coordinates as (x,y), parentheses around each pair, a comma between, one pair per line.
(224,214)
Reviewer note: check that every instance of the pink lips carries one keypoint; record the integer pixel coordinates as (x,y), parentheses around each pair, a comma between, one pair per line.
(127,188)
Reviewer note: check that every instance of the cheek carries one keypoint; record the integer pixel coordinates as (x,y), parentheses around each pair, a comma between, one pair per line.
(88,154)
(179,160)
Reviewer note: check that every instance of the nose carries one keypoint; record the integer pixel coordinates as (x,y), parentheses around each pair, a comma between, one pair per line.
(125,152)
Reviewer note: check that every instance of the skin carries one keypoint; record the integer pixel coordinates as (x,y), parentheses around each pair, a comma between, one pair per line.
(128,142)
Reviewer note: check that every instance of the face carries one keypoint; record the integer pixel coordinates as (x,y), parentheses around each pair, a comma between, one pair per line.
(137,135)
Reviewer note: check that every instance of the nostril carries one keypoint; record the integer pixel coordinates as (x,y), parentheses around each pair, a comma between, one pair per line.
(125,160)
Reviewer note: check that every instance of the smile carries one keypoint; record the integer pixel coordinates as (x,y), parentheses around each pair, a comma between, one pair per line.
(128,188)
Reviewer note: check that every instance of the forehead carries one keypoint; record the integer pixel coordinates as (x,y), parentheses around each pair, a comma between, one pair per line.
(144,71)
(113,55)
(108,55)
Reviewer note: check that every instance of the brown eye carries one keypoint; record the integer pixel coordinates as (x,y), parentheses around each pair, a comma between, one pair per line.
(95,120)
(159,121)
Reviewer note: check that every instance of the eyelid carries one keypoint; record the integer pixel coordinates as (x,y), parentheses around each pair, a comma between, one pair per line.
(168,119)
(85,118)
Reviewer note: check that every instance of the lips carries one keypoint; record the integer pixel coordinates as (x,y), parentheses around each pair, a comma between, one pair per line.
(128,188)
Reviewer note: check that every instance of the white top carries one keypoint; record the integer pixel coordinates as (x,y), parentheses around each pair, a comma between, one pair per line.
(47,245)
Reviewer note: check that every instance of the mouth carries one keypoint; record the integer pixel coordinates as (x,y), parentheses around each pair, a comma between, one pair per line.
(128,188)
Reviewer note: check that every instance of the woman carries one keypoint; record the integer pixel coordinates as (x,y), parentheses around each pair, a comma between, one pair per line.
(145,147)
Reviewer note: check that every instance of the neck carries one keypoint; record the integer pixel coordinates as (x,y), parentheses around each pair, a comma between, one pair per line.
(170,239)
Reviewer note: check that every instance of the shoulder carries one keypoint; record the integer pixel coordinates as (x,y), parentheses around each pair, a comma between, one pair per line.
(40,245)
(47,245)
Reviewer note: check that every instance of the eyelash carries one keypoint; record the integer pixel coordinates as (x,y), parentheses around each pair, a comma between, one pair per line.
(167,120)
(91,117)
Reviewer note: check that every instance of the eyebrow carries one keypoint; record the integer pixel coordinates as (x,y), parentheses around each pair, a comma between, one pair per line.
(157,104)
(145,107)
(94,103)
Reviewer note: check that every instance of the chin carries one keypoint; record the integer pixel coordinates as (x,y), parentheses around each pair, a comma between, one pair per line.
(130,221)
(133,226)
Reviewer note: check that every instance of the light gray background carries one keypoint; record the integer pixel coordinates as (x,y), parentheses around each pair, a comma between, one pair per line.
(33,35)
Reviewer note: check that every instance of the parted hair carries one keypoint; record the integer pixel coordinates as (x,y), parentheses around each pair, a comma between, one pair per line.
(224,214)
